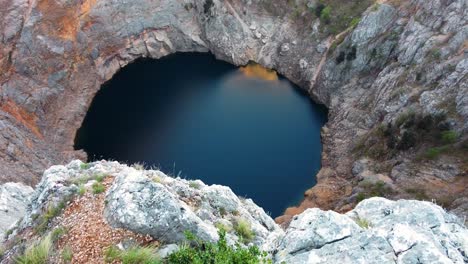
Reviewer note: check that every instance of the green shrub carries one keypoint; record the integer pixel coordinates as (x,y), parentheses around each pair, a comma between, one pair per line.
(325,14)
(36,254)
(217,253)
(433,153)
(244,230)
(67,254)
(449,137)
(98,188)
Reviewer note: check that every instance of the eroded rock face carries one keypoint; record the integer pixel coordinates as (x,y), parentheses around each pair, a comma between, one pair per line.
(54,55)
(151,203)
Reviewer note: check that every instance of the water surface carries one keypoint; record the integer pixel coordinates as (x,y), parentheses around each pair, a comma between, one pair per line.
(194,116)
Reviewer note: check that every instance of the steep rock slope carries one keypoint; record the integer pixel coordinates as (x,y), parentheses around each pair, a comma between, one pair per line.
(395,81)
(151,207)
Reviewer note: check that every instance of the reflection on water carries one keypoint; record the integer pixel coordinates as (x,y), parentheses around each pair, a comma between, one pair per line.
(208,120)
(255,70)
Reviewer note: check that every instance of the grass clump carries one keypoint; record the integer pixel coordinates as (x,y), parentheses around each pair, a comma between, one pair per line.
(51,213)
(98,188)
(81,189)
(244,230)
(67,254)
(194,184)
(37,254)
(363,223)
(57,233)
(111,254)
(99,177)
(133,255)
(139,255)
(85,166)
(223,227)
(217,253)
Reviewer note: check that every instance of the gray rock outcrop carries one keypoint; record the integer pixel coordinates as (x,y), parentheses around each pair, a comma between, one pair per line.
(151,203)
(376,231)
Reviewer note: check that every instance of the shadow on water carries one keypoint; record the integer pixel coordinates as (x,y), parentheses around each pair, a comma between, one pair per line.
(191,114)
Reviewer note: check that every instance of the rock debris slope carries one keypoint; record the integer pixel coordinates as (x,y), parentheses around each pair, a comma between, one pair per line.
(148,202)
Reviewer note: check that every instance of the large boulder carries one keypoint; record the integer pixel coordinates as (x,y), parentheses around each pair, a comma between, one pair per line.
(376,231)
(14,197)
(150,202)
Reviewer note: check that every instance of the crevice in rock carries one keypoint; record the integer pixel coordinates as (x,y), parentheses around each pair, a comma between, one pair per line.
(305,249)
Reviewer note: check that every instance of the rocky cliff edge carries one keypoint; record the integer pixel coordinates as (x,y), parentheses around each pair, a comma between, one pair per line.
(101,204)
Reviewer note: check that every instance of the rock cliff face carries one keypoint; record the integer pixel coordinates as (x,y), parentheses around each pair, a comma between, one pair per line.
(148,202)
(395,83)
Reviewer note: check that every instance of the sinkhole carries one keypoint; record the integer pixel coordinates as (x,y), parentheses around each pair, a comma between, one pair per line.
(196,117)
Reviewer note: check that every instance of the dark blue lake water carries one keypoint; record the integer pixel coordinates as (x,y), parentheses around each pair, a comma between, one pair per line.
(206,119)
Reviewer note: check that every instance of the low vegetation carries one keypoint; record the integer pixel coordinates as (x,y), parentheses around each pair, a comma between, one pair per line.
(37,253)
(85,166)
(81,189)
(49,214)
(336,16)
(378,189)
(194,184)
(216,253)
(133,255)
(57,233)
(363,223)
(98,188)
(428,134)
(99,177)
(244,230)
(67,254)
